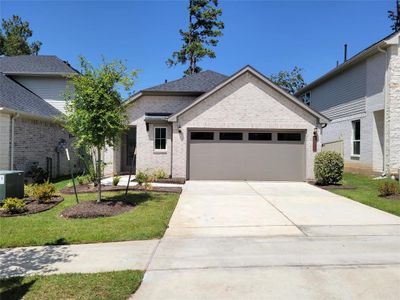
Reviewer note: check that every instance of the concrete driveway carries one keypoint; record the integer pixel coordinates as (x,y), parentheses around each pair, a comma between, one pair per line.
(277,240)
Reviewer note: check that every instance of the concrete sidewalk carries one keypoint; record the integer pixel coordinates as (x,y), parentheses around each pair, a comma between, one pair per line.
(85,258)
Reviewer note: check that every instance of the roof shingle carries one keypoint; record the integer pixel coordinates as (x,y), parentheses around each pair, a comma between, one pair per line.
(16,97)
(35,64)
(200,82)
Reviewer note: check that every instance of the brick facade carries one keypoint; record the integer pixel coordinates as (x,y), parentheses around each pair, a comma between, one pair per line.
(35,140)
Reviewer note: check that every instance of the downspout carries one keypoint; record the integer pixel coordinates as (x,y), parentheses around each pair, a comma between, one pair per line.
(13,117)
(386,140)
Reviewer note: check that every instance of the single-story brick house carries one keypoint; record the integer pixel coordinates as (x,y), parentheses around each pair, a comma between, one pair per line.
(31,100)
(210,126)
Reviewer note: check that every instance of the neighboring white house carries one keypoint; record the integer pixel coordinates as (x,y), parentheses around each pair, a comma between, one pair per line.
(209,126)
(31,99)
(362,98)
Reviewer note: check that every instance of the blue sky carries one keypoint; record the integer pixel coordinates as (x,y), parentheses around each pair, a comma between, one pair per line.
(269,35)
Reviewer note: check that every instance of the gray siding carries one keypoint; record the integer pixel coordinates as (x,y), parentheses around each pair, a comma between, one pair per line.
(348,86)
(50,89)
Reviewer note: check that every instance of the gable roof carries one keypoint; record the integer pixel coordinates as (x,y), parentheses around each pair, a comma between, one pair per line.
(34,65)
(391,39)
(319,116)
(201,82)
(16,98)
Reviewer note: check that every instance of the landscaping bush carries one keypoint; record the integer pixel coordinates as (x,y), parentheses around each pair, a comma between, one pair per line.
(160,174)
(116,180)
(43,192)
(14,205)
(84,179)
(388,188)
(144,178)
(328,167)
(38,174)
(28,190)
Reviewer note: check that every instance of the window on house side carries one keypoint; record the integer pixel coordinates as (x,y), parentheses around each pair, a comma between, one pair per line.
(160,138)
(356,137)
(306,97)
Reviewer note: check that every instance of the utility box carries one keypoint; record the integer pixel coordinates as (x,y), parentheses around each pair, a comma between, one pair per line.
(11,184)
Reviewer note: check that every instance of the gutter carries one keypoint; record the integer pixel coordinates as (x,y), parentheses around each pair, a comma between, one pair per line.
(27,115)
(13,117)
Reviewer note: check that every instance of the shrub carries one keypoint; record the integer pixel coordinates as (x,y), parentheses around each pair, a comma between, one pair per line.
(116,180)
(84,179)
(388,188)
(28,190)
(43,192)
(144,178)
(160,174)
(14,205)
(38,174)
(328,167)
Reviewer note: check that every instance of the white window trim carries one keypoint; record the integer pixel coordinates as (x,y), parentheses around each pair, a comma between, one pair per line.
(352,138)
(154,144)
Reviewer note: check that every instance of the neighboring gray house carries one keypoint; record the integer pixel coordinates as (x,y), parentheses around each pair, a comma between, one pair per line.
(31,98)
(362,98)
(210,126)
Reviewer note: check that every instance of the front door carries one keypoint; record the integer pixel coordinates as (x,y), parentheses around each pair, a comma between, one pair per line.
(128,146)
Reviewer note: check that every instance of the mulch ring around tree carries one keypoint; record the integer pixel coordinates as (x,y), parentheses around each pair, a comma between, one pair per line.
(92,209)
(89,188)
(33,207)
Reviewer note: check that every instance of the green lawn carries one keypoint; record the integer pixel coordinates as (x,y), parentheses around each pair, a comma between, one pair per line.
(109,285)
(148,220)
(367,193)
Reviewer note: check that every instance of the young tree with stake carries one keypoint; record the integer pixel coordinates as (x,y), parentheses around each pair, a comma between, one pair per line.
(95,113)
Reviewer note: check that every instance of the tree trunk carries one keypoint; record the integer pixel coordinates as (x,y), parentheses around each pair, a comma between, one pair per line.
(98,166)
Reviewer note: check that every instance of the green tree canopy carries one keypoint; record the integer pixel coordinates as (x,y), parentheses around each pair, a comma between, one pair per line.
(203,32)
(14,36)
(290,81)
(395,17)
(95,113)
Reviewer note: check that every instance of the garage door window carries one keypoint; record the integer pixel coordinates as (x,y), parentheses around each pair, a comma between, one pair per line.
(231,136)
(289,136)
(202,136)
(160,138)
(260,136)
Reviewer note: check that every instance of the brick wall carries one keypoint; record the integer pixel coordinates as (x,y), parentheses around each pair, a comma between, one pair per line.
(393,112)
(245,103)
(35,140)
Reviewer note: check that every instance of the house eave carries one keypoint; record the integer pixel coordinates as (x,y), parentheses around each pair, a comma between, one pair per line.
(391,40)
(28,115)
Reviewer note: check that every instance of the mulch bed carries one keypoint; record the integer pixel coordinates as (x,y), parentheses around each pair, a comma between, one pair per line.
(395,197)
(92,209)
(87,188)
(33,207)
(334,186)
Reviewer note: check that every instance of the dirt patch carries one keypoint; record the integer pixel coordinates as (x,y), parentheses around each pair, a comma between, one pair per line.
(92,209)
(395,197)
(87,188)
(33,207)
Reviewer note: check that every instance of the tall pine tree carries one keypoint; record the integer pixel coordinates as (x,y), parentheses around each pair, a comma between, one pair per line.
(395,17)
(203,32)
(14,37)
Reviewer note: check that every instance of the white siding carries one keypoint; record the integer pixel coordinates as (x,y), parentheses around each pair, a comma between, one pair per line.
(51,89)
(4,141)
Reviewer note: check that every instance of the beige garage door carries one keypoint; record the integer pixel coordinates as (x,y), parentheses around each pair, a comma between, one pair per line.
(247,155)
